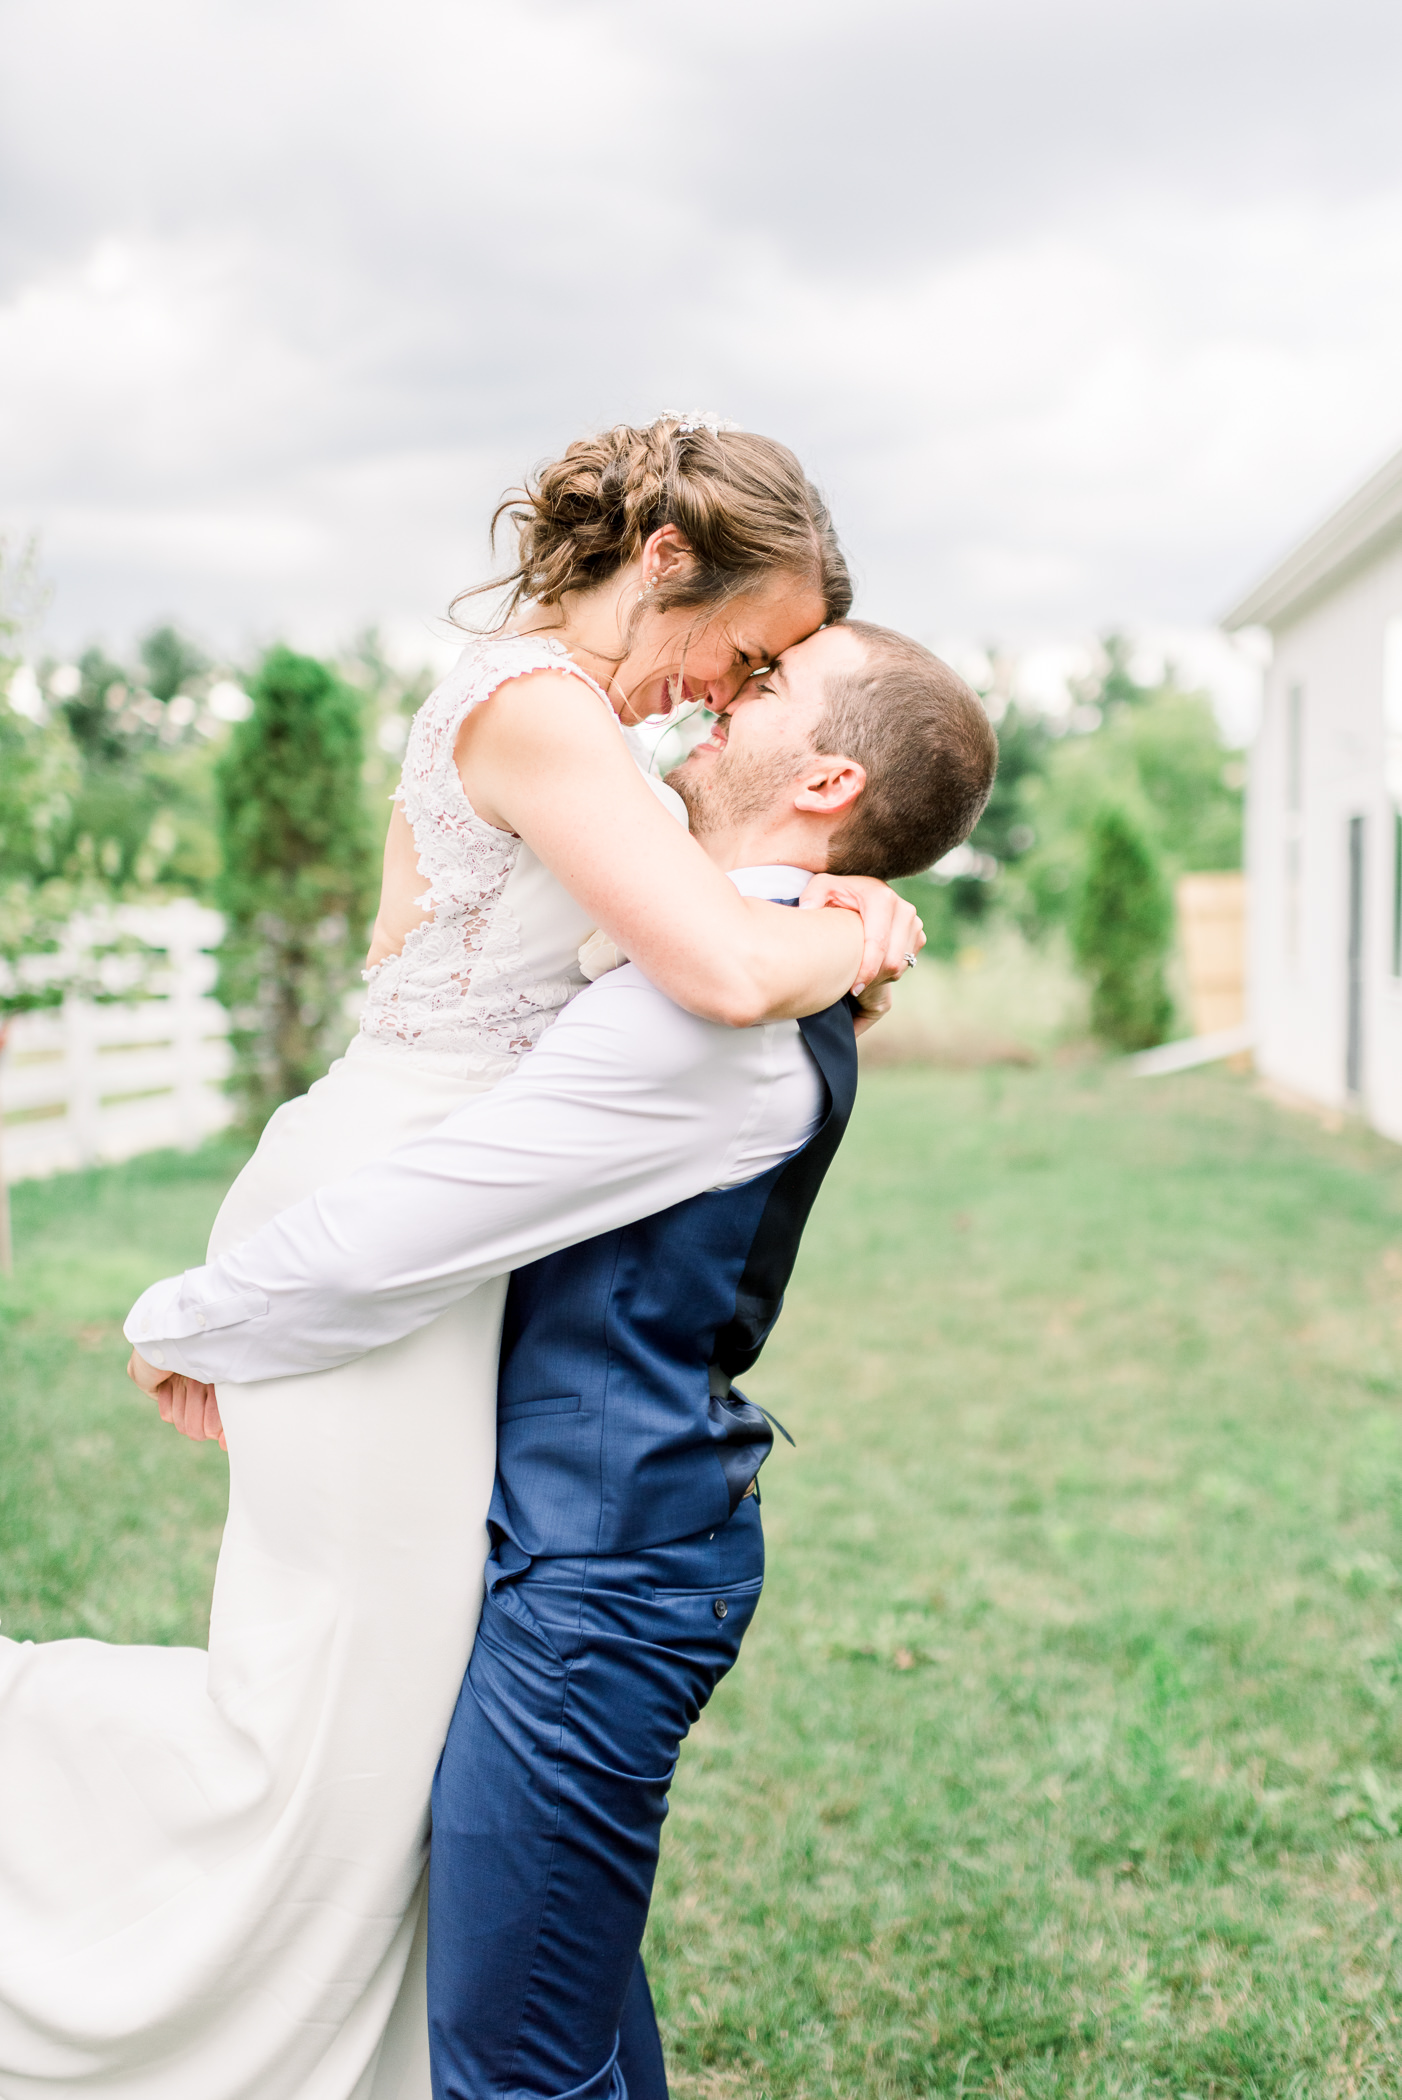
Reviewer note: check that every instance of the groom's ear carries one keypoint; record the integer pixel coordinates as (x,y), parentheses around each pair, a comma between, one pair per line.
(829,785)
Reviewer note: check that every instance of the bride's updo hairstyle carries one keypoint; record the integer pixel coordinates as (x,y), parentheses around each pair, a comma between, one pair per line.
(742,503)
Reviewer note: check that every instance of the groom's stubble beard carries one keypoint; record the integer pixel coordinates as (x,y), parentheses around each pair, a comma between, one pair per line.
(734,790)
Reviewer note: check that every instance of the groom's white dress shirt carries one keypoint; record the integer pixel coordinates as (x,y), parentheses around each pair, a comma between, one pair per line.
(627,1105)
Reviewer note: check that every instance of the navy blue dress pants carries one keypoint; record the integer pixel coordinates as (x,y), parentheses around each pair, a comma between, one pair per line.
(548,1807)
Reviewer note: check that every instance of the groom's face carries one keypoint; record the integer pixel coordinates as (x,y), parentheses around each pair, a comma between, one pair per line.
(758,750)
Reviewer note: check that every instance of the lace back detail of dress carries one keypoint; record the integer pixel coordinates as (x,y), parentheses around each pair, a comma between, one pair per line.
(462,983)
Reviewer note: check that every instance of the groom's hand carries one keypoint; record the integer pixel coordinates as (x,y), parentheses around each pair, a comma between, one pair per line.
(185,1403)
(873,1003)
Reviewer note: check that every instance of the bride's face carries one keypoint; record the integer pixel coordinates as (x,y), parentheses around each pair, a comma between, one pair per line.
(682,657)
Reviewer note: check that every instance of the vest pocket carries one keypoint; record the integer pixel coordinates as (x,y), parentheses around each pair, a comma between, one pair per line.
(564,1404)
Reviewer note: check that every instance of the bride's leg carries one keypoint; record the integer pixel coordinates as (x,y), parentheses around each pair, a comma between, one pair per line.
(360,1496)
(402,2070)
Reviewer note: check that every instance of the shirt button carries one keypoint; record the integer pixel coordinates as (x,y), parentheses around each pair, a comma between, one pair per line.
(199,1319)
(153,1356)
(721,1608)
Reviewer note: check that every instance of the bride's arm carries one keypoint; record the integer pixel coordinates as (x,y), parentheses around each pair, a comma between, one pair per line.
(542,759)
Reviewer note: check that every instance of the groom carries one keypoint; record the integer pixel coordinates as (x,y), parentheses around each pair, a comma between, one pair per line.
(646,1175)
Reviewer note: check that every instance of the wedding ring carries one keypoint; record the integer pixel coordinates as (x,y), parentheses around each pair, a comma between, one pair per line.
(910,959)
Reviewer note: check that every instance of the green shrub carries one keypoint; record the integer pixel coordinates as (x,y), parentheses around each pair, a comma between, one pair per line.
(142,819)
(1121,933)
(1158,754)
(297,885)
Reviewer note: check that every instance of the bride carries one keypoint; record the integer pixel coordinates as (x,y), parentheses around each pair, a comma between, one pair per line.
(210,1865)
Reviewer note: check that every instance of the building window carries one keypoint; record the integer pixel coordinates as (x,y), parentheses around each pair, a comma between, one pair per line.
(1392,770)
(1294,815)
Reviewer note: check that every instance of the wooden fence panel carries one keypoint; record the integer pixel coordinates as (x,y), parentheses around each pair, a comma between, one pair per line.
(89,1083)
(1212,931)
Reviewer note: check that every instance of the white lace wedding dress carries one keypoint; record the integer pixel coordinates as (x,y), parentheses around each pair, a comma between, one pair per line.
(211,1865)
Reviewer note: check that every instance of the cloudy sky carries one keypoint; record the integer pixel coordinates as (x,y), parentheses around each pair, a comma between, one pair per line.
(1080,311)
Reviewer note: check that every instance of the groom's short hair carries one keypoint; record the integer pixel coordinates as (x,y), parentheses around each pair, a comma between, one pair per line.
(928,749)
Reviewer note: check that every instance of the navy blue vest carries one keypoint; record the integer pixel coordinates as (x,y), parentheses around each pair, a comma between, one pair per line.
(617,1426)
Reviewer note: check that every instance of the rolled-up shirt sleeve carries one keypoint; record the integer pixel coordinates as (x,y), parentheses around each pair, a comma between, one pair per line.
(627,1106)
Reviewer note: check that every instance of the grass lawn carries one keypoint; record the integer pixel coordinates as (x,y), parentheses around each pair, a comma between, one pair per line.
(1065,1757)
(109,1523)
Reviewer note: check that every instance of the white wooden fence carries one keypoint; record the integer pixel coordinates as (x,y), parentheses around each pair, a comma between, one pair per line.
(86,1083)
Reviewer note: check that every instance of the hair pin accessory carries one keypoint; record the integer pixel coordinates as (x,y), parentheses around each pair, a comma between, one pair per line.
(691,419)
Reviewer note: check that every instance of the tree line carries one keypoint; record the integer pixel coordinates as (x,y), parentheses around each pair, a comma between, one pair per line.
(1092,818)
(263,794)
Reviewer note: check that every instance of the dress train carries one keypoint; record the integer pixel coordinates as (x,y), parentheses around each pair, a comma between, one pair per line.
(211,1865)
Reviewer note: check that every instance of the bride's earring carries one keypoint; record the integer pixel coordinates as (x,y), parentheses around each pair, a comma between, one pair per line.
(650,586)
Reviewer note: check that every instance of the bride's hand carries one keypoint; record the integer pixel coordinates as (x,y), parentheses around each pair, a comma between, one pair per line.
(891,927)
(186,1403)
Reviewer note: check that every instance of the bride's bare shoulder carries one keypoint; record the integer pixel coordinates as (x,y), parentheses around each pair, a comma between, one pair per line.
(546,702)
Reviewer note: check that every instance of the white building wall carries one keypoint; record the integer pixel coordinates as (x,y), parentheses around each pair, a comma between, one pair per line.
(1334,655)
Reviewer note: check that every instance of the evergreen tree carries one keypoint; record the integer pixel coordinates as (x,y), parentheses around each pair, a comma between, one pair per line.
(297,881)
(1112,687)
(41,961)
(1002,832)
(1159,756)
(1121,933)
(171,662)
(953,907)
(39,778)
(143,815)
